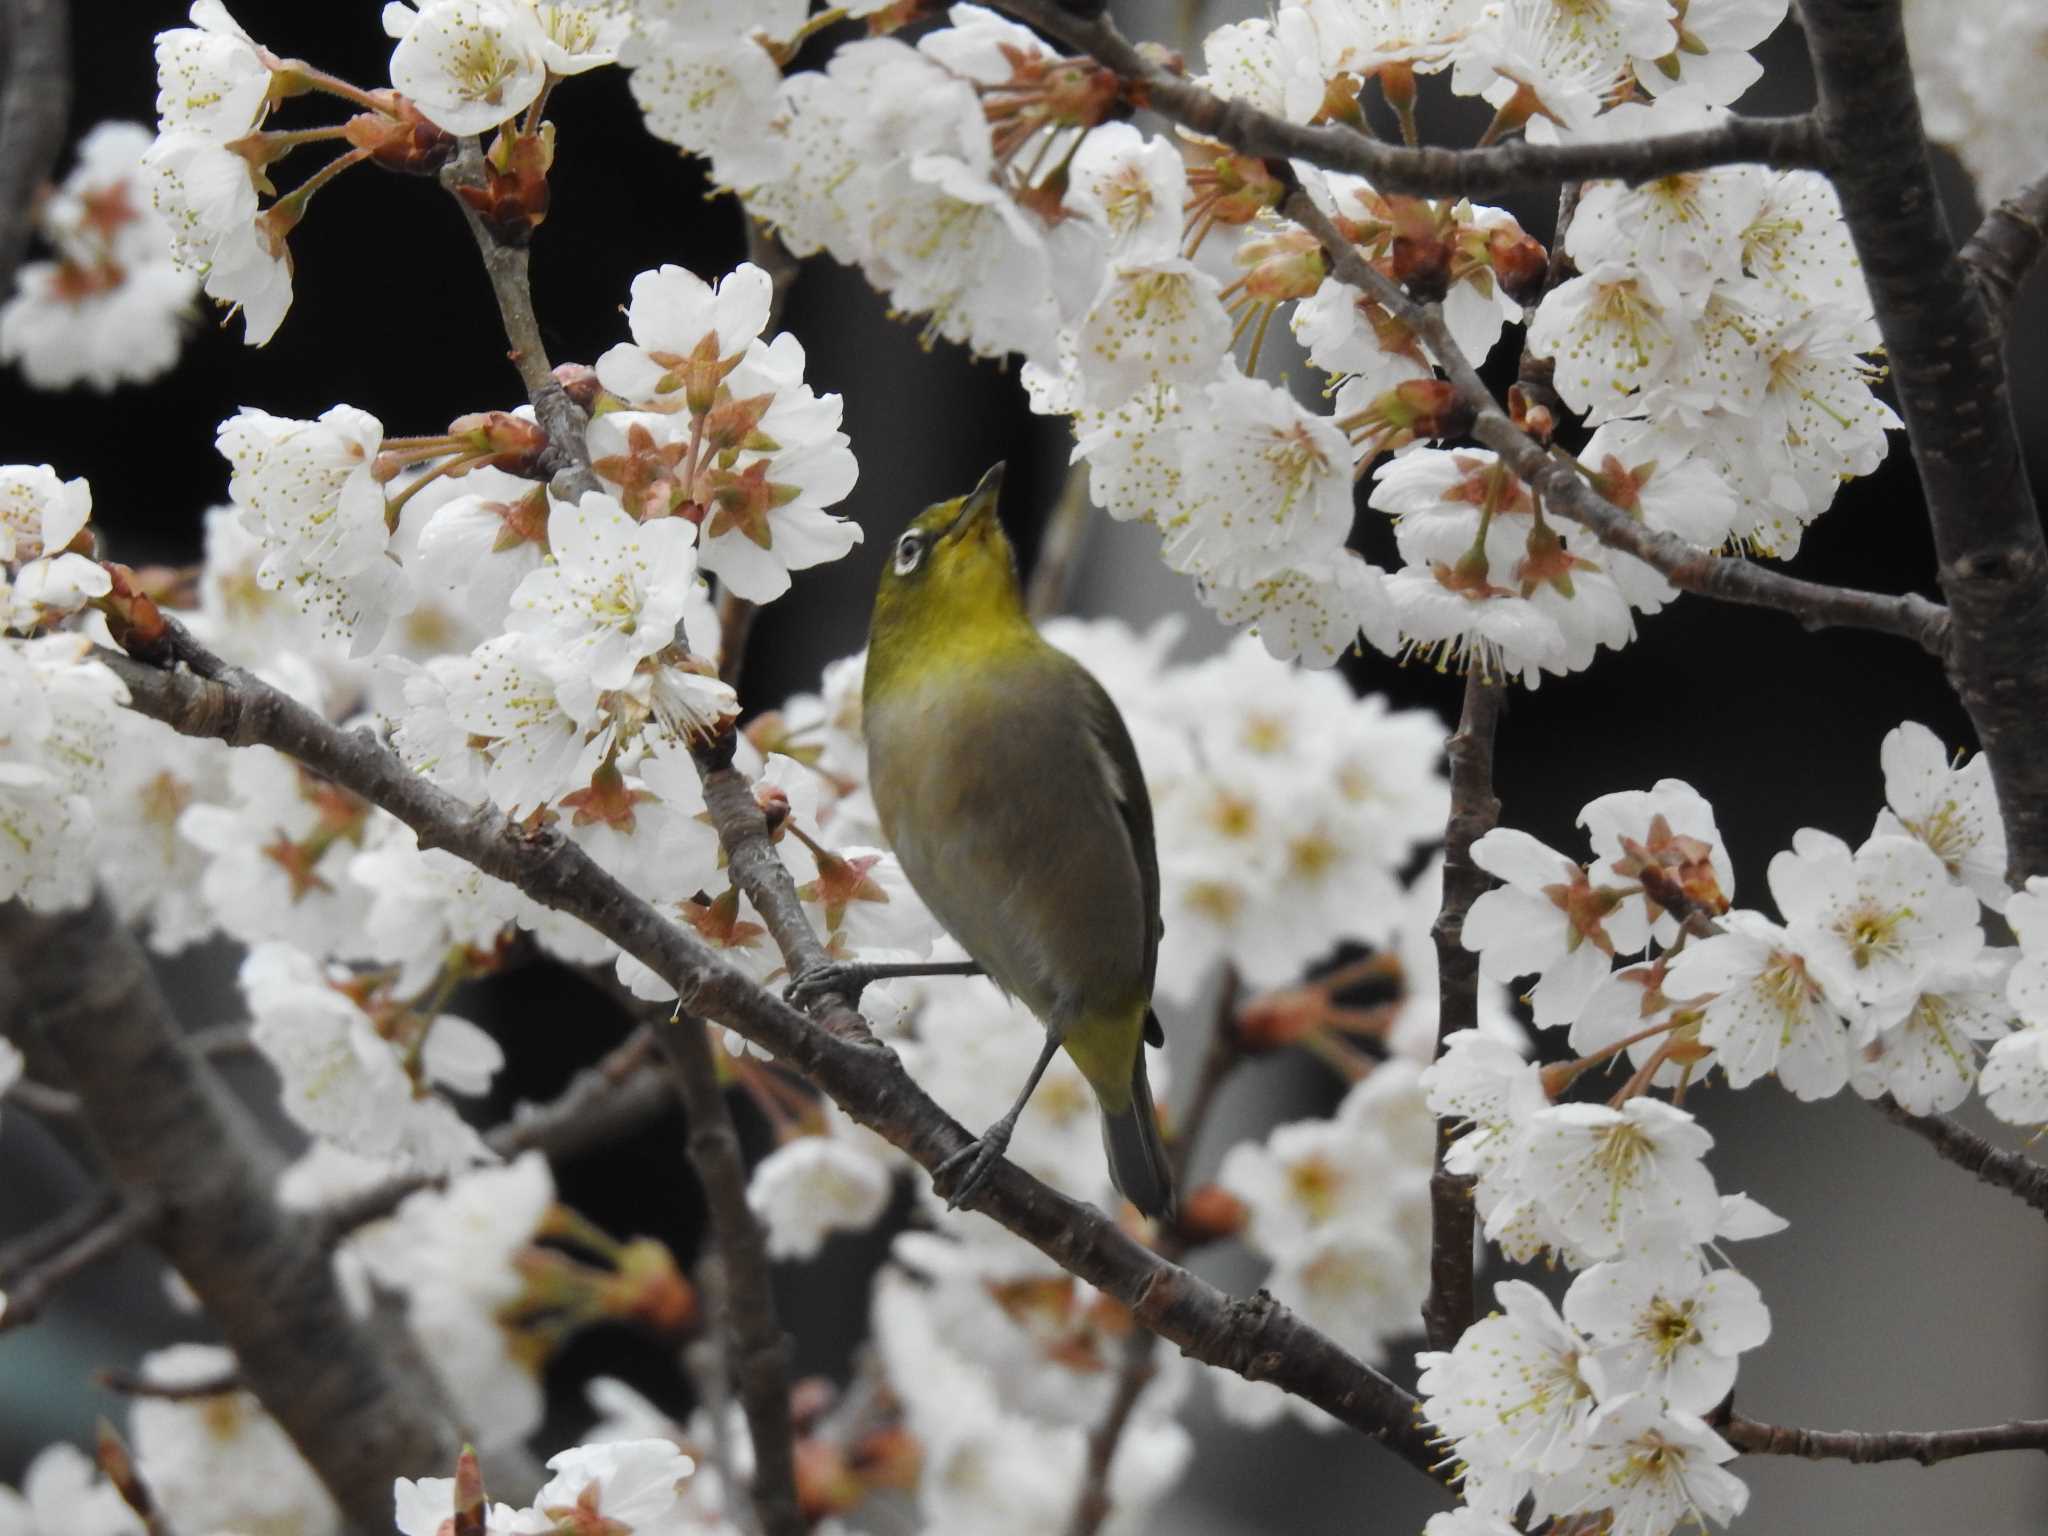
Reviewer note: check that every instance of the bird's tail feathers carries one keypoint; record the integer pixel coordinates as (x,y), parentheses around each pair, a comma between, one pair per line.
(1137,1155)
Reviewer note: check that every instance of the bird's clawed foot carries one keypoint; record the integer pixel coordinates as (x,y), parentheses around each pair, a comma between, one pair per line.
(847,978)
(979,1157)
(850,978)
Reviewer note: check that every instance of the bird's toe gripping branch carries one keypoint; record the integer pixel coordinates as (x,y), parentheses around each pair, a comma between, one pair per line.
(849,978)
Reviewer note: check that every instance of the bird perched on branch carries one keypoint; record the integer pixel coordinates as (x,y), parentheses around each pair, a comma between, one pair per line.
(1007,784)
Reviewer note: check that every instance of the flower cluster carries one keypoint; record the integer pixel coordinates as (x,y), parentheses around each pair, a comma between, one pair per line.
(1876,975)
(111,307)
(1715,334)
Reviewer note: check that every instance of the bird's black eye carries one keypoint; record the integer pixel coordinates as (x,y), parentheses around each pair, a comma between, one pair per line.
(909,551)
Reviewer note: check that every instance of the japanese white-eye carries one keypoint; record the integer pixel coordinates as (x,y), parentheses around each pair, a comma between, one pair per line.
(1008,786)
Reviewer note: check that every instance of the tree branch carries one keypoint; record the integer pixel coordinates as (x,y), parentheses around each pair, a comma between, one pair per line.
(1566,493)
(24,1299)
(1254,1336)
(2004,247)
(2012,1171)
(35,99)
(1475,811)
(759,1357)
(1783,142)
(77,990)
(758,870)
(605,1102)
(1926,1447)
(1948,368)
(508,267)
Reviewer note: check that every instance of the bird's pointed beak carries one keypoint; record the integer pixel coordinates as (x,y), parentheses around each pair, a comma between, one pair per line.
(981,501)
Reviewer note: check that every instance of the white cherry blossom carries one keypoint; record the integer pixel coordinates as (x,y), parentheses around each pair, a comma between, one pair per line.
(1668,1326)
(1950,807)
(1873,925)
(468,65)
(1652,1467)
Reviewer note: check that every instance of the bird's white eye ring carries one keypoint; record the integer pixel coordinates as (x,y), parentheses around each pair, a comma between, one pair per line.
(909,551)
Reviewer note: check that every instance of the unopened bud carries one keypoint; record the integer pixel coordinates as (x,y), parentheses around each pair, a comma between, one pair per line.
(1281,1018)
(470,1502)
(825,1484)
(810,1400)
(1520,264)
(515,444)
(579,383)
(774,803)
(653,1291)
(888,1458)
(1420,257)
(400,138)
(1211,1214)
(132,614)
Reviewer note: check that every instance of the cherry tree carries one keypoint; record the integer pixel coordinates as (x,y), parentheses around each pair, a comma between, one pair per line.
(433,706)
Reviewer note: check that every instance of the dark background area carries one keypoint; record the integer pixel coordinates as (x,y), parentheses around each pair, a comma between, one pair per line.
(1904,1296)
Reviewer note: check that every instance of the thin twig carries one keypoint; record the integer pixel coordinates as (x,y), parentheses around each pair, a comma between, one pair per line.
(1784,142)
(509,268)
(760,1356)
(60,1231)
(1134,1374)
(1925,1446)
(1254,1335)
(2005,246)
(1060,545)
(605,1102)
(128,1384)
(1475,811)
(704,1362)
(26,1296)
(35,98)
(43,1101)
(1136,1368)
(2012,1171)
(216,1040)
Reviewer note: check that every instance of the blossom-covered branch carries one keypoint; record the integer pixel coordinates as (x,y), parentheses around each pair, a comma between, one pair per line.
(2013,1171)
(610,1099)
(1475,811)
(1685,565)
(1946,363)
(79,994)
(1783,142)
(2005,247)
(1253,1336)
(1926,1446)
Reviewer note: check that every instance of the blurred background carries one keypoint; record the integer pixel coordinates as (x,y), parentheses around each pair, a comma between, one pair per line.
(1904,1295)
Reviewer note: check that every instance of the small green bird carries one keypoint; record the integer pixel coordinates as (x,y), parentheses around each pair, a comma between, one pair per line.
(1007,784)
